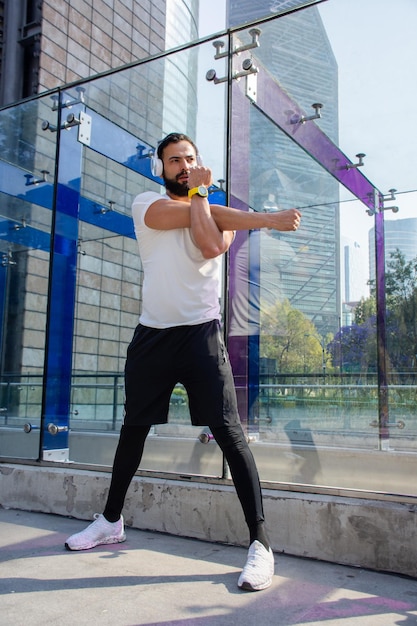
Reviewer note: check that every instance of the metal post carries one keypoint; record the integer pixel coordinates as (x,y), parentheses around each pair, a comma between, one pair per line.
(56,398)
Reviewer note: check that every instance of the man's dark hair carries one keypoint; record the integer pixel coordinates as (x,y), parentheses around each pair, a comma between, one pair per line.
(173,138)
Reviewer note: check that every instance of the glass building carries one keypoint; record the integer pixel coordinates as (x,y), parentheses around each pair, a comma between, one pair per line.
(328,403)
(400,234)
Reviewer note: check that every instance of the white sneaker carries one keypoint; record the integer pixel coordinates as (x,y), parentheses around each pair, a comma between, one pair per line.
(259,569)
(99,532)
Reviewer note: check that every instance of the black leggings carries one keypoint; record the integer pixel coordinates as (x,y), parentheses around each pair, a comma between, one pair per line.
(232,442)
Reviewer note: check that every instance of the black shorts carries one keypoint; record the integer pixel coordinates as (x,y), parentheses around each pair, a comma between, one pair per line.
(196,357)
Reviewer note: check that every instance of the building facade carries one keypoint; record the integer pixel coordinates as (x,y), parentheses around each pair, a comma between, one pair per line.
(47,45)
(400,234)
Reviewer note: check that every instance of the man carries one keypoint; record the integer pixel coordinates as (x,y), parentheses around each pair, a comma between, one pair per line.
(178,340)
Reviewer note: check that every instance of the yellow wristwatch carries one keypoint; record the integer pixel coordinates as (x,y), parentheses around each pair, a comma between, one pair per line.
(201,191)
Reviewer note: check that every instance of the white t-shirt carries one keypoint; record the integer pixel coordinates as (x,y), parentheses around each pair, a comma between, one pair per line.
(180,286)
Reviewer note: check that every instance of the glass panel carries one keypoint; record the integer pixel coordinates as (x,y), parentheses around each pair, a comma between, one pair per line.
(314,399)
(130,112)
(389,163)
(26,171)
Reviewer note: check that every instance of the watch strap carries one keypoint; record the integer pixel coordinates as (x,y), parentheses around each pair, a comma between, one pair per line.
(196,190)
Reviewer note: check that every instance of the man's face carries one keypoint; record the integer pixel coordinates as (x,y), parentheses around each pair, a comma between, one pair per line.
(178,158)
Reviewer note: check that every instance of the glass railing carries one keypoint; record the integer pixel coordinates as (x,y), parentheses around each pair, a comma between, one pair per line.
(320,330)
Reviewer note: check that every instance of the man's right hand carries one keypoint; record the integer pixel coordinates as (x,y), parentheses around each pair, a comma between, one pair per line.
(288,220)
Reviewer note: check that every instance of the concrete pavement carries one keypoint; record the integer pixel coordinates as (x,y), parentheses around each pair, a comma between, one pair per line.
(161,579)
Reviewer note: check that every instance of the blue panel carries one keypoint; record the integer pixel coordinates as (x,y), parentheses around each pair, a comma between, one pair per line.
(3,290)
(91,212)
(60,323)
(28,237)
(13,182)
(41,194)
(128,150)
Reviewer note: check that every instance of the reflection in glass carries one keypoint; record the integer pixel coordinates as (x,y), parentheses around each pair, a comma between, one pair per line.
(115,168)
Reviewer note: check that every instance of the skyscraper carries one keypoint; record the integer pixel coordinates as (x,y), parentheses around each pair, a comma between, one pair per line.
(45,44)
(400,235)
(306,268)
(353,278)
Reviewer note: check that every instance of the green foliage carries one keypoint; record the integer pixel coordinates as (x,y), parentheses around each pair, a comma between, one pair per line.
(401,305)
(364,310)
(290,338)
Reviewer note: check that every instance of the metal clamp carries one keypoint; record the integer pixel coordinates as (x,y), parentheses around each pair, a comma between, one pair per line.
(69,123)
(254,33)
(7,259)
(205,437)
(68,103)
(29,427)
(247,68)
(360,163)
(219,45)
(394,209)
(267,419)
(400,424)
(297,119)
(31,180)
(391,196)
(103,210)
(83,123)
(53,429)
(247,65)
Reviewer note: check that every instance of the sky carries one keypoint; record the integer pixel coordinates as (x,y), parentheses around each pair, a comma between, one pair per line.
(375,45)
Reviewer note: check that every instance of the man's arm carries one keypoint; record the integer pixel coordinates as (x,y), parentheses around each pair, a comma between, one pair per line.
(167,214)
(194,214)
(235,219)
(212,226)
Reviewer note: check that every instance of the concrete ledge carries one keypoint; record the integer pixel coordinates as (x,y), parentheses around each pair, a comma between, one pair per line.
(365,533)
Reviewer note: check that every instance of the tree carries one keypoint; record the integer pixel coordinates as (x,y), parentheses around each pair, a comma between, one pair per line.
(290,338)
(401,292)
(355,346)
(365,309)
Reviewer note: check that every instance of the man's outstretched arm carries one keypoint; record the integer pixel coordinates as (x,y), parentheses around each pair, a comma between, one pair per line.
(167,214)
(228,218)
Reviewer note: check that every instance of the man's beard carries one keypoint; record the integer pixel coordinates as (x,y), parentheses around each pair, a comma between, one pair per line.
(175,187)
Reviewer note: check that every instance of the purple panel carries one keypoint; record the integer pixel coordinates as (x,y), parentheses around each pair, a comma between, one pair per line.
(239,259)
(275,103)
(240,153)
(381,319)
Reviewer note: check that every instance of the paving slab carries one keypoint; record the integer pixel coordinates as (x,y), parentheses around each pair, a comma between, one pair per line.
(157,579)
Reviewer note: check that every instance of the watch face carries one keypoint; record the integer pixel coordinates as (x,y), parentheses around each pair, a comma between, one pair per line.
(202,191)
